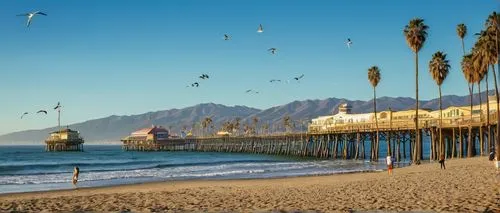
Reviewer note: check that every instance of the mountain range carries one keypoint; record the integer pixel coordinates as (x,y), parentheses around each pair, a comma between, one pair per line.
(112,128)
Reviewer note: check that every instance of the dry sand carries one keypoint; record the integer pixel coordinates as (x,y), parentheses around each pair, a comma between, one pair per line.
(467,185)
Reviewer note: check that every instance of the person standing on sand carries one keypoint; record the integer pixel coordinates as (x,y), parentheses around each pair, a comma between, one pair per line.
(76,172)
(441,161)
(388,161)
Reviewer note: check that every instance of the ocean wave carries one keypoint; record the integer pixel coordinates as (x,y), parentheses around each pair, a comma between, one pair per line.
(268,169)
(52,168)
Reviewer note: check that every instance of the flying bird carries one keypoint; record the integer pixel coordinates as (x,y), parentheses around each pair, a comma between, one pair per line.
(297,78)
(260,29)
(226,37)
(31,15)
(272,50)
(24,114)
(349,43)
(42,111)
(204,76)
(58,106)
(195,84)
(252,91)
(274,80)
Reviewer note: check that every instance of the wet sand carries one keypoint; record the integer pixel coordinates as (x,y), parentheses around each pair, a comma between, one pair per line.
(467,185)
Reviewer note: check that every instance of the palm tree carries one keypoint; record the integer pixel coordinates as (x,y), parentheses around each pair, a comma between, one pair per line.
(493,23)
(255,121)
(439,68)
(236,125)
(485,54)
(416,34)
(468,72)
(206,123)
(480,72)
(462,32)
(374,78)
(287,123)
(265,128)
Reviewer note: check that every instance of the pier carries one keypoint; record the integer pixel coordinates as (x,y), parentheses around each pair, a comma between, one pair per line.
(455,132)
(348,141)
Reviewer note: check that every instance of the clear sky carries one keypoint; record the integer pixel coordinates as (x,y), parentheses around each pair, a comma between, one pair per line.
(124,57)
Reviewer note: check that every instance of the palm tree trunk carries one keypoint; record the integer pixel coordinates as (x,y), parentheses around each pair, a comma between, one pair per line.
(480,122)
(441,147)
(497,142)
(376,123)
(488,128)
(469,141)
(417,148)
(463,47)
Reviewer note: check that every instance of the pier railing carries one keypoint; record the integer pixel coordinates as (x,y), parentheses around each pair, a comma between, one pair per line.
(401,124)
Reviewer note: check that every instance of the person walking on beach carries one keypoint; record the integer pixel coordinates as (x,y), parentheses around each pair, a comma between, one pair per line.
(388,161)
(441,161)
(76,172)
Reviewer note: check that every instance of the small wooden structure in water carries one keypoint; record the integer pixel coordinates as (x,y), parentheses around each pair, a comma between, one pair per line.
(64,140)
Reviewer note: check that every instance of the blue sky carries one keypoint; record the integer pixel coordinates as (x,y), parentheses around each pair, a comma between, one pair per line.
(128,57)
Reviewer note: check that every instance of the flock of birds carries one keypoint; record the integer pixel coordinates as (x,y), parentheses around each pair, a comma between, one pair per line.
(227,37)
(273,51)
(58,106)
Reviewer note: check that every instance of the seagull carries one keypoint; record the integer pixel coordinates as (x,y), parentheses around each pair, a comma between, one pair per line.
(274,80)
(204,76)
(195,84)
(42,111)
(349,43)
(297,78)
(226,37)
(24,114)
(31,15)
(58,106)
(273,50)
(252,91)
(260,29)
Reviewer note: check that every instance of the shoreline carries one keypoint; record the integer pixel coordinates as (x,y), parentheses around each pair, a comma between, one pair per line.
(186,181)
(469,185)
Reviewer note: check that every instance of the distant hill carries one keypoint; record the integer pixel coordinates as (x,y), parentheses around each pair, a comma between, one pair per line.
(112,128)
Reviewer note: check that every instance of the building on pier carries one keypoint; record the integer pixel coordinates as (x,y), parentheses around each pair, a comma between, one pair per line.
(64,140)
(452,115)
(153,138)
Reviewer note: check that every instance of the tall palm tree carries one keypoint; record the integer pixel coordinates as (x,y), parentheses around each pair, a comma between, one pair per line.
(485,54)
(462,32)
(287,123)
(265,128)
(416,34)
(255,121)
(439,68)
(468,72)
(480,72)
(206,123)
(236,125)
(493,23)
(374,78)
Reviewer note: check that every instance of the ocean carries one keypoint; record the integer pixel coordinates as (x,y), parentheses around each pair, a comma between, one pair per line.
(30,168)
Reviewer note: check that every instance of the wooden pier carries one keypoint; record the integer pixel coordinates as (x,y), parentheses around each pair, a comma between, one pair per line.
(350,141)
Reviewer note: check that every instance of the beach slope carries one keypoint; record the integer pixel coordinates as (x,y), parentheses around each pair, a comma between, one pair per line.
(467,185)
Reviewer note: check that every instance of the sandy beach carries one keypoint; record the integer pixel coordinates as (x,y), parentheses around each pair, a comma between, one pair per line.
(467,185)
